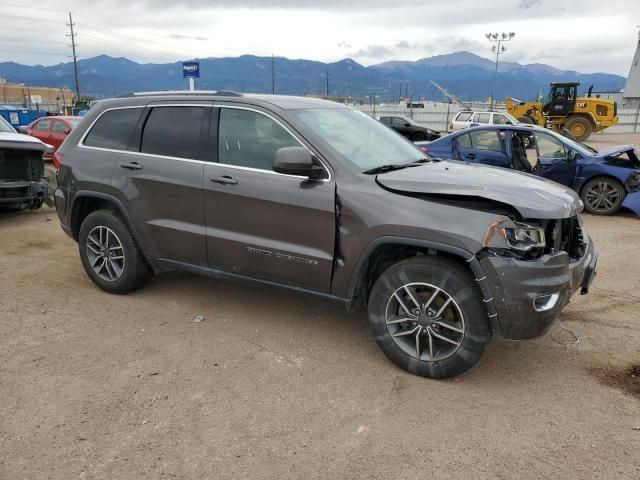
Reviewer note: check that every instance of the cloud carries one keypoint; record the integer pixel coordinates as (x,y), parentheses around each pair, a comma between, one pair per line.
(372,51)
(527,4)
(187,37)
(344,44)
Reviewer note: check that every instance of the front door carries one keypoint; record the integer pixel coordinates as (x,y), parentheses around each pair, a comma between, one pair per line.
(482,146)
(160,181)
(553,159)
(261,223)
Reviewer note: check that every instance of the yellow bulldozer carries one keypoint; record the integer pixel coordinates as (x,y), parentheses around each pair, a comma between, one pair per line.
(564,110)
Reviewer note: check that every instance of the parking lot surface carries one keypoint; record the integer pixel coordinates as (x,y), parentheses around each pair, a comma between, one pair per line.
(277,384)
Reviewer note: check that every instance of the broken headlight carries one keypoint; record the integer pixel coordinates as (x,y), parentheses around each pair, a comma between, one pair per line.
(523,237)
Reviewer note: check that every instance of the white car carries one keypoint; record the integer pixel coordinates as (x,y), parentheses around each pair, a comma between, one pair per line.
(467,118)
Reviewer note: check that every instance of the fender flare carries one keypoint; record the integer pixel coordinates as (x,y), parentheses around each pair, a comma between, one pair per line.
(465,255)
(109,198)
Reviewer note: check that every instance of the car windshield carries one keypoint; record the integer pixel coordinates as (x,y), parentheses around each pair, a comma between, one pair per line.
(73,122)
(359,139)
(511,118)
(410,121)
(5,126)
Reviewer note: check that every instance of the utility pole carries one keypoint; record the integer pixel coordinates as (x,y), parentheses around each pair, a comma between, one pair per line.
(326,91)
(498,50)
(72,35)
(273,75)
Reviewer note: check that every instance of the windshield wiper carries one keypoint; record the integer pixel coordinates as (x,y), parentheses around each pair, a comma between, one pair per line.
(390,167)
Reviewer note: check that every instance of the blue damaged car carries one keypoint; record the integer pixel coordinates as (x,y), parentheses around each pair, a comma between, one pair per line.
(606,180)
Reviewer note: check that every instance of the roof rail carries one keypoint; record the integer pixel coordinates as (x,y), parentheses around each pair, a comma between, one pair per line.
(222,93)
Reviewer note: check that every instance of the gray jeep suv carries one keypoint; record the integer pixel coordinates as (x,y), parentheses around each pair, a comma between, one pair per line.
(315,196)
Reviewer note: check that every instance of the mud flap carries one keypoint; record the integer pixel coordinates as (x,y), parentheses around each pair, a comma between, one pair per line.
(632,202)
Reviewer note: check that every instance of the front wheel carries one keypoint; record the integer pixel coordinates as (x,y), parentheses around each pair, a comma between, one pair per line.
(602,196)
(427,316)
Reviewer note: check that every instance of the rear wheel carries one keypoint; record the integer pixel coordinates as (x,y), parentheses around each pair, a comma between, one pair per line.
(109,253)
(427,316)
(602,196)
(579,127)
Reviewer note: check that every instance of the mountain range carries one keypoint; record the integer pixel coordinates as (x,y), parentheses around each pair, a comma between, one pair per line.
(465,74)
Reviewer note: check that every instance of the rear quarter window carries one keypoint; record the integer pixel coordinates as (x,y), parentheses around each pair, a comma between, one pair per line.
(113,129)
(463,116)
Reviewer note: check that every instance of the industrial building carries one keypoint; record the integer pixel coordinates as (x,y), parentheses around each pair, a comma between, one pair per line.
(50,99)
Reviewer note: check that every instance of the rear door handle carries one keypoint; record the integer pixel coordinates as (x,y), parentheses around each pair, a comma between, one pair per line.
(131,166)
(225,180)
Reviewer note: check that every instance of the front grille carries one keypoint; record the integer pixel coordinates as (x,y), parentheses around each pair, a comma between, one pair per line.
(14,192)
(568,236)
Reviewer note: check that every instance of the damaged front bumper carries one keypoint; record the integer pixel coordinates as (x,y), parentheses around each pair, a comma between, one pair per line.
(632,202)
(18,193)
(529,294)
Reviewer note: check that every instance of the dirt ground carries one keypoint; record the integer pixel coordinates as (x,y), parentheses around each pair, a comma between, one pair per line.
(278,385)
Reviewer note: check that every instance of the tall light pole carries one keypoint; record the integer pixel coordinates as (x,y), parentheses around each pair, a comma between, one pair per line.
(499,49)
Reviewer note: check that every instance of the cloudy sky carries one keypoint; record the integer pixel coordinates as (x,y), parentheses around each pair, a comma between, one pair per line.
(583,35)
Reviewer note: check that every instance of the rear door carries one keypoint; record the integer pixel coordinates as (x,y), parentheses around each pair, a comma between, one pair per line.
(160,180)
(553,159)
(42,129)
(59,131)
(261,223)
(482,146)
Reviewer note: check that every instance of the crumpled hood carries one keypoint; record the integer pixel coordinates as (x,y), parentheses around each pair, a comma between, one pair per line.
(532,196)
(21,141)
(606,152)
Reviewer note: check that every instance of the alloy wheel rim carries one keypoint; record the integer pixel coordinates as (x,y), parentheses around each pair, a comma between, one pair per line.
(602,196)
(425,321)
(105,253)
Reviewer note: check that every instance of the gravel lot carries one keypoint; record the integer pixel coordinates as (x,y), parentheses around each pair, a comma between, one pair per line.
(276,384)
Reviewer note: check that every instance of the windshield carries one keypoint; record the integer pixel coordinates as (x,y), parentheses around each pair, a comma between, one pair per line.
(73,122)
(5,126)
(359,139)
(511,118)
(410,121)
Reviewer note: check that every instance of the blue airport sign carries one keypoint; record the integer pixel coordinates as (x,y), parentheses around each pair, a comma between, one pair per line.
(190,69)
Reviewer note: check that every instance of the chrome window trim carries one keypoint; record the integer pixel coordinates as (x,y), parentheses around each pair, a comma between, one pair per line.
(221,105)
(81,144)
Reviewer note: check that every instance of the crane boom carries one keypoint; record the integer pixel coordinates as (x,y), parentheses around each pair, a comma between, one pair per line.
(449,95)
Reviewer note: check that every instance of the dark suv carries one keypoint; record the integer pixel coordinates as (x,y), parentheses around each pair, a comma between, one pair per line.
(319,197)
(408,128)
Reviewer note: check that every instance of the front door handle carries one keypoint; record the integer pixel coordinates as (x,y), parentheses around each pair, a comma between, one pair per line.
(225,180)
(471,155)
(131,166)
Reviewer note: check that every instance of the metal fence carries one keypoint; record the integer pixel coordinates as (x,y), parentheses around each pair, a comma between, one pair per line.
(438,115)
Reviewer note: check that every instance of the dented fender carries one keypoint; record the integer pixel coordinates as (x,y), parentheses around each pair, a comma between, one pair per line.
(632,202)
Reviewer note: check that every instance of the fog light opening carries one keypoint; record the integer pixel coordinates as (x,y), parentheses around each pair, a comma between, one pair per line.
(544,303)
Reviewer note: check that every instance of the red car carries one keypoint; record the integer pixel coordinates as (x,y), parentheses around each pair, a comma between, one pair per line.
(52,130)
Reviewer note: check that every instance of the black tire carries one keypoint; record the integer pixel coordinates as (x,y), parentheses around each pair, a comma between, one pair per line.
(135,271)
(602,196)
(418,137)
(580,128)
(457,283)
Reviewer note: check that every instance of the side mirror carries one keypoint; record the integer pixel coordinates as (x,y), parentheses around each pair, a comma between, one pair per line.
(66,131)
(296,161)
(572,155)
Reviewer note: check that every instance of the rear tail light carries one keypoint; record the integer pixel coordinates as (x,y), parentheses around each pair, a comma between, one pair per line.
(424,149)
(57,159)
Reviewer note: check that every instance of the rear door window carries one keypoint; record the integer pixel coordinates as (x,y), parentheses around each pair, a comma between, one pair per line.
(58,127)
(113,129)
(174,132)
(463,116)
(42,126)
(481,118)
(485,140)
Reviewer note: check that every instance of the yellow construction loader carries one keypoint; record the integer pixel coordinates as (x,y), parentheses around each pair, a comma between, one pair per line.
(564,110)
